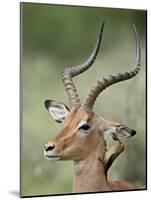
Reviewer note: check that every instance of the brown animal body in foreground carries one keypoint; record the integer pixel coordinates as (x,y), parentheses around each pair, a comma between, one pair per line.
(82,138)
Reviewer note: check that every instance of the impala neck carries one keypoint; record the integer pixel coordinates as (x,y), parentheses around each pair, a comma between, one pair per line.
(90,175)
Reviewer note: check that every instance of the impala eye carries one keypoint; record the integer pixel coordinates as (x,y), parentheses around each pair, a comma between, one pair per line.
(84,127)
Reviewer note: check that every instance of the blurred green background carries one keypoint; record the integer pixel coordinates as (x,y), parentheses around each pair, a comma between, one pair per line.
(53,38)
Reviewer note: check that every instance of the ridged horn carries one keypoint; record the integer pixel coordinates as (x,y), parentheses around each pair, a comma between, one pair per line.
(69,73)
(114,78)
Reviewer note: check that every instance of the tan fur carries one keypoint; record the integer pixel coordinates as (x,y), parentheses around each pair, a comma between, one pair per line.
(85,144)
(88,151)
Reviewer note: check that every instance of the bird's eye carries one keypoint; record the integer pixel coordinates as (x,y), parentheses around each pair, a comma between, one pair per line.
(85,127)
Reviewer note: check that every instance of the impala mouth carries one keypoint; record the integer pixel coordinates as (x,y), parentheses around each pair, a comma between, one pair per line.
(51,156)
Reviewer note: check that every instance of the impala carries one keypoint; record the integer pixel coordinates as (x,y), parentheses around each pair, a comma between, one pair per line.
(83,137)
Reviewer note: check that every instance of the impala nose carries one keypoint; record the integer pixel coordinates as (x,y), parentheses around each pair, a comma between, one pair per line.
(49,147)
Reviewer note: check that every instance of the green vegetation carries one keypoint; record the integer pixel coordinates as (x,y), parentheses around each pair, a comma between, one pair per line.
(55,37)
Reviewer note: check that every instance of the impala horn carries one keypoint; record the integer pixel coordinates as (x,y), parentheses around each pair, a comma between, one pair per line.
(113,78)
(69,73)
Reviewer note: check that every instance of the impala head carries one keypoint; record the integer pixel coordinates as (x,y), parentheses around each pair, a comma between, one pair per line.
(84,130)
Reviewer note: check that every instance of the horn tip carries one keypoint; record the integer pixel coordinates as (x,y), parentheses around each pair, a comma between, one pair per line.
(103,24)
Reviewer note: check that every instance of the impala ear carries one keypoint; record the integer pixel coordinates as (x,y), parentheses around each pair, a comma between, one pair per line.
(57,110)
(119,131)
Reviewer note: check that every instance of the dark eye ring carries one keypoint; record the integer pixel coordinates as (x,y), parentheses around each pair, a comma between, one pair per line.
(85,127)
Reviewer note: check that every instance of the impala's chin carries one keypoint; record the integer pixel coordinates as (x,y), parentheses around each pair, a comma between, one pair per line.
(51,156)
(69,157)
